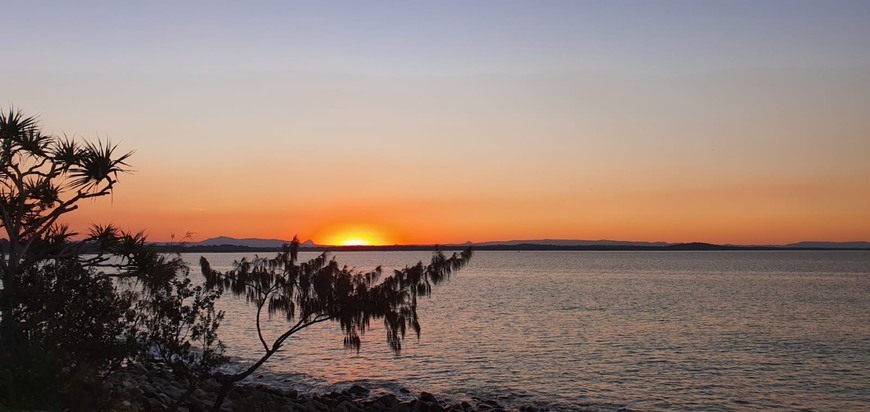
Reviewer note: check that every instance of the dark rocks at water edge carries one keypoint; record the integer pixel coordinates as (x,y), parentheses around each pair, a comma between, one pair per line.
(140,388)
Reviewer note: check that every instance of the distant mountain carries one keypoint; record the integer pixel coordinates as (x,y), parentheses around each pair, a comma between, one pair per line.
(248,242)
(571,242)
(228,243)
(830,245)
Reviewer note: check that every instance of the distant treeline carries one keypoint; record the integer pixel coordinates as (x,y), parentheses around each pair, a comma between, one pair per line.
(519,247)
(166,248)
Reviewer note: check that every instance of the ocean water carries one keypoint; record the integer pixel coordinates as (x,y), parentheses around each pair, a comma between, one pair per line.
(604,331)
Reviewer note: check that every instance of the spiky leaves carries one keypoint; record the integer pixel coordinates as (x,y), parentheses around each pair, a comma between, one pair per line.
(43,177)
(98,163)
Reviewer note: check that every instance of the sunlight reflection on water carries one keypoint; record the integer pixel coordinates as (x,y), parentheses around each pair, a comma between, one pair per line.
(604,330)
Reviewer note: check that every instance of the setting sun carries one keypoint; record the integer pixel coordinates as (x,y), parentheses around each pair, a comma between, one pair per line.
(354,241)
(354,235)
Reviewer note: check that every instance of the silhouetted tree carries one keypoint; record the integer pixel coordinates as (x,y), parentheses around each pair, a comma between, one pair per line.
(62,315)
(180,327)
(63,321)
(320,290)
(42,177)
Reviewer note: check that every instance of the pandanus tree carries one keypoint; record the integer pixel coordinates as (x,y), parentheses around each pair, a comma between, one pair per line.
(59,303)
(320,290)
(42,178)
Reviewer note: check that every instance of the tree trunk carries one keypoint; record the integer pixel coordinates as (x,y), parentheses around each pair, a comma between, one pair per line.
(222,394)
(227,381)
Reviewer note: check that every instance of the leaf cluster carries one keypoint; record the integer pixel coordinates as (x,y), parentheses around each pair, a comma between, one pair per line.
(43,177)
(77,327)
(179,325)
(321,290)
(72,310)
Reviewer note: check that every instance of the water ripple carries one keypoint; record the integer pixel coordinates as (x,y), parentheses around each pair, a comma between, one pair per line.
(608,331)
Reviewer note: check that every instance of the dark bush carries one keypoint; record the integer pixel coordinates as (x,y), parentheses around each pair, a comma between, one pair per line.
(77,328)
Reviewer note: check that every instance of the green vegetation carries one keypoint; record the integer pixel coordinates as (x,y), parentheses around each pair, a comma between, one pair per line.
(75,309)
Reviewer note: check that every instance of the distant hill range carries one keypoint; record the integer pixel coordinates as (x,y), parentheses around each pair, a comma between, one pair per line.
(829,245)
(247,242)
(229,244)
(569,242)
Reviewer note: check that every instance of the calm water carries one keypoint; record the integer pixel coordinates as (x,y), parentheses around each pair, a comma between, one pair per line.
(605,330)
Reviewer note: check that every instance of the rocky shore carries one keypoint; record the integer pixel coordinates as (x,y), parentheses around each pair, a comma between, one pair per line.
(140,388)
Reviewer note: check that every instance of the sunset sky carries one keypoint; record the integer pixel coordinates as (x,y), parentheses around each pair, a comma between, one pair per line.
(438,122)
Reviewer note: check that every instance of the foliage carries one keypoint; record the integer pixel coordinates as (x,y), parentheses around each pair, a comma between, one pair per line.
(42,178)
(73,321)
(71,312)
(180,327)
(67,319)
(64,322)
(319,290)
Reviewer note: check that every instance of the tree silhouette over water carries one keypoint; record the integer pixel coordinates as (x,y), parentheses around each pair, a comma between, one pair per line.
(62,316)
(319,290)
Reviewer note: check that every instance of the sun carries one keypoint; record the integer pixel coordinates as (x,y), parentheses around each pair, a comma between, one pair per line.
(354,241)
(354,235)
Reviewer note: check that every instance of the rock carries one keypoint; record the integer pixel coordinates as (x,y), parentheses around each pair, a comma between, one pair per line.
(358,390)
(404,390)
(465,405)
(428,407)
(347,406)
(172,391)
(388,400)
(164,399)
(134,392)
(373,407)
(428,397)
(127,406)
(154,404)
(493,403)
(325,404)
(290,393)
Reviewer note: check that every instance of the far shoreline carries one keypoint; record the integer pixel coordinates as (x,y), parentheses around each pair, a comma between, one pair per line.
(681,247)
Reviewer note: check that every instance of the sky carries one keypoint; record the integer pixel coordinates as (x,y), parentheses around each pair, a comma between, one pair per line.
(442,122)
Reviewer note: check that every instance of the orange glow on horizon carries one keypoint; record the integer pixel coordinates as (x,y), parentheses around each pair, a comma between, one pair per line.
(354,241)
(353,235)
(735,213)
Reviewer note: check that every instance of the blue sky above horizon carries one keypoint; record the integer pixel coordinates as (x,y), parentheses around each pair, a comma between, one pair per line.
(721,121)
(437,38)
